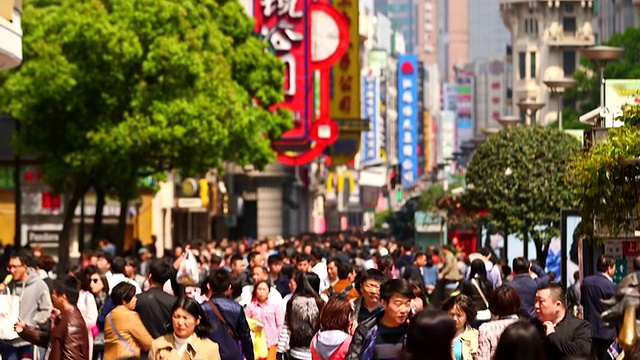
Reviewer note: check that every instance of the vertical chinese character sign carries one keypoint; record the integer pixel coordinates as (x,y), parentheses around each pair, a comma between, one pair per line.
(345,87)
(407,119)
(370,111)
(282,24)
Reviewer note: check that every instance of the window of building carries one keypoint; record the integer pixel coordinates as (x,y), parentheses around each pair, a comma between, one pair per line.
(531,26)
(522,57)
(569,24)
(568,62)
(532,65)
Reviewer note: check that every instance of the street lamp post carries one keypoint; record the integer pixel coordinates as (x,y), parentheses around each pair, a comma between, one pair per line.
(488,131)
(601,56)
(530,107)
(557,87)
(509,120)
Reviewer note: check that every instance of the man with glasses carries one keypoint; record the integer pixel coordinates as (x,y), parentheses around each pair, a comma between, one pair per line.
(35,304)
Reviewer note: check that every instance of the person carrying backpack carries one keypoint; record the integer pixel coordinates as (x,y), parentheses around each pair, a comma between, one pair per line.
(344,286)
(231,330)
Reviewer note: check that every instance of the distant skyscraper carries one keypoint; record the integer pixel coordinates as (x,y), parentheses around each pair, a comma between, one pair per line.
(403,15)
(614,17)
(453,37)
(488,37)
(427,31)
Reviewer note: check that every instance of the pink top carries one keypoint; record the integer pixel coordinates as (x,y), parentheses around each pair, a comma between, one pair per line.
(271,315)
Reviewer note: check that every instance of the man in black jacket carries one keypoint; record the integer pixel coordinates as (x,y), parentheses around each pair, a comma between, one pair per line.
(564,334)
(154,305)
(229,323)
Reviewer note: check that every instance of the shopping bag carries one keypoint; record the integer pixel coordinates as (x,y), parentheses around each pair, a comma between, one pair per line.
(9,312)
(188,273)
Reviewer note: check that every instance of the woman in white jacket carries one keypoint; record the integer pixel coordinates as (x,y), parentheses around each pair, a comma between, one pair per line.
(87,305)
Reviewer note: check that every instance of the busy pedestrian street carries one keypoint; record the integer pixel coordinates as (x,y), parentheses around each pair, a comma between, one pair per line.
(319,180)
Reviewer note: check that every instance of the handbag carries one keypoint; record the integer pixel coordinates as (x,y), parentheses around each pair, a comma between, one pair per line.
(126,344)
(9,313)
(94,328)
(482,315)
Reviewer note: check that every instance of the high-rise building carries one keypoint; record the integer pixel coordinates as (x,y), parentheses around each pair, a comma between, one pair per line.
(614,16)
(545,38)
(403,15)
(488,37)
(427,31)
(453,37)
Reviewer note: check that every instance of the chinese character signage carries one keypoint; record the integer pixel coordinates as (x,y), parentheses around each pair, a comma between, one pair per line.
(407,118)
(371,112)
(464,108)
(495,88)
(345,86)
(281,24)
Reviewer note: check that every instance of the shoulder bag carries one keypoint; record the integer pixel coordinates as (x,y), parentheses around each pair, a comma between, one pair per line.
(483,315)
(126,344)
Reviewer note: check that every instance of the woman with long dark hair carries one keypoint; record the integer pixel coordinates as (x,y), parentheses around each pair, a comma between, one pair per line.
(436,328)
(301,316)
(478,288)
(188,333)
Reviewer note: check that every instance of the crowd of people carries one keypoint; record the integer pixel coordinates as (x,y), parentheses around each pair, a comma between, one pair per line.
(349,296)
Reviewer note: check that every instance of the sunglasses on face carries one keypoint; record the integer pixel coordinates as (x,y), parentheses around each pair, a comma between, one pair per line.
(94,280)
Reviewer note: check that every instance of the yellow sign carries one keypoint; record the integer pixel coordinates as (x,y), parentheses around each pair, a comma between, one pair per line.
(345,148)
(426,136)
(345,99)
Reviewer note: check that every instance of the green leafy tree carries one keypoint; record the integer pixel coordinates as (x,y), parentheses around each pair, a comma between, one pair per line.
(518,175)
(114,90)
(586,92)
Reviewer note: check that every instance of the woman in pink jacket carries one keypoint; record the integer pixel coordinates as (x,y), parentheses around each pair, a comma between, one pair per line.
(333,338)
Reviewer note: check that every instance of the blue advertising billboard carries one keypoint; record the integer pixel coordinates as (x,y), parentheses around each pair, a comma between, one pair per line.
(370,146)
(408,119)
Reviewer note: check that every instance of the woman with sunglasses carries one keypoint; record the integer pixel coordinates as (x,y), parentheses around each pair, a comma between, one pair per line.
(96,283)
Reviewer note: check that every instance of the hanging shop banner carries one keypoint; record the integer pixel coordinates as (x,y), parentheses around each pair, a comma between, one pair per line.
(345,75)
(282,25)
(345,148)
(407,118)
(371,112)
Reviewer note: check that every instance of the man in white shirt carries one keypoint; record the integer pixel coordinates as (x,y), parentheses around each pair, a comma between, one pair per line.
(320,266)
(117,275)
(258,273)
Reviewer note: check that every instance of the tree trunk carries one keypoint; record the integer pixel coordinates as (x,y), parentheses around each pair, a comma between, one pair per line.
(96,230)
(65,234)
(122,226)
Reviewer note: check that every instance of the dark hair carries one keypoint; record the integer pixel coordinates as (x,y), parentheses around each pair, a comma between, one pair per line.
(604,262)
(369,274)
(307,284)
(122,293)
(254,295)
(219,281)
(160,271)
(395,287)
(273,259)
(464,303)
(418,290)
(117,266)
(337,261)
(317,253)
(385,266)
(556,291)
(418,255)
(25,257)
(251,256)
(504,301)
(479,269)
(636,263)
(85,276)
(46,263)
(105,255)
(434,325)
(335,315)
(520,340)
(520,265)
(203,329)
(130,261)
(215,260)
(485,251)
(300,257)
(68,286)
(235,258)
(344,270)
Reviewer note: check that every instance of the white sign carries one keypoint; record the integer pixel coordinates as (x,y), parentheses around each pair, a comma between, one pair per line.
(189,203)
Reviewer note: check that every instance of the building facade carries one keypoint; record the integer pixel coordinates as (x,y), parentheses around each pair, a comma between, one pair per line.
(614,16)
(546,38)
(488,37)
(453,37)
(403,15)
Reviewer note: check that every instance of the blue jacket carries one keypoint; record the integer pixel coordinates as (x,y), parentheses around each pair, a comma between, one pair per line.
(234,316)
(593,289)
(363,342)
(527,287)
